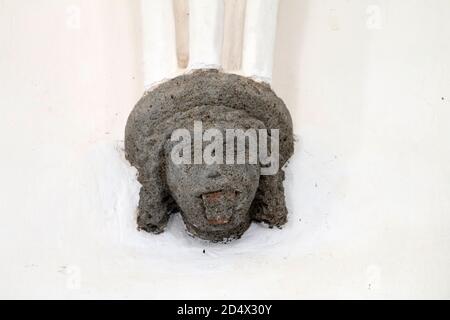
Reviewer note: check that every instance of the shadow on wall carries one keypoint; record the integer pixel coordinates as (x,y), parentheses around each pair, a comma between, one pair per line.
(292,17)
(320,71)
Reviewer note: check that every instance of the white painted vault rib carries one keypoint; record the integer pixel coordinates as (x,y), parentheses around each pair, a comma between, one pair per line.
(233,35)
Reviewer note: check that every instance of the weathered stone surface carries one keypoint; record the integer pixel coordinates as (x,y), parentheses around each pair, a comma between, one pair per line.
(217,202)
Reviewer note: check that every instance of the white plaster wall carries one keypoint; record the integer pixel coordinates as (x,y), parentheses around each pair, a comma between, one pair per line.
(368,85)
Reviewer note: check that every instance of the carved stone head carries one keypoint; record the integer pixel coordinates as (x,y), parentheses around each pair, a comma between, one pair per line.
(218,200)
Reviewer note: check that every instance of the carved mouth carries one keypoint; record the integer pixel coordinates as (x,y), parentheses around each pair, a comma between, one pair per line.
(219,206)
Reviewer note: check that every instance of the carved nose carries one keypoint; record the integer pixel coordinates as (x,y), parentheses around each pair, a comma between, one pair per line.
(213,174)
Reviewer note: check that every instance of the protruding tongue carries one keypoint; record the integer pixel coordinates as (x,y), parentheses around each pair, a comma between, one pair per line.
(219,206)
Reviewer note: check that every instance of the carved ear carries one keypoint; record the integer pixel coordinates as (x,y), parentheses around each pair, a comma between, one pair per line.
(269,205)
(155,203)
(153,212)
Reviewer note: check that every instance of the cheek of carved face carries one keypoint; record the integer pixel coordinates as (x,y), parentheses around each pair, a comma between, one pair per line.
(214,199)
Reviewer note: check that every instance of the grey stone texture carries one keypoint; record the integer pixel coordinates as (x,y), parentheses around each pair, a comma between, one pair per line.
(218,202)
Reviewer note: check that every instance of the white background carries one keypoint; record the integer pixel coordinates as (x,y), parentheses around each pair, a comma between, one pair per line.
(368,86)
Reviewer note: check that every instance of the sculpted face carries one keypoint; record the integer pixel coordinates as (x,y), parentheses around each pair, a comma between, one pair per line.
(217,201)
(214,199)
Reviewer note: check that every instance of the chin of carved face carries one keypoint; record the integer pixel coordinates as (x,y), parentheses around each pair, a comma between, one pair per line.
(214,199)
